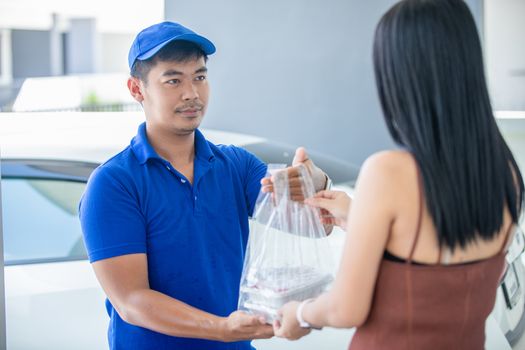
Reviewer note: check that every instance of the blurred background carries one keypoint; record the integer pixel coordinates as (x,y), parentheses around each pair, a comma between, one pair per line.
(296,71)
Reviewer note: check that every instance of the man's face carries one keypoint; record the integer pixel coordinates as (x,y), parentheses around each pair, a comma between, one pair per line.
(176,95)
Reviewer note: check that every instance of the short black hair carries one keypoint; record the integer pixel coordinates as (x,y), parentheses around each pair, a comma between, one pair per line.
(429,74)
(178,51)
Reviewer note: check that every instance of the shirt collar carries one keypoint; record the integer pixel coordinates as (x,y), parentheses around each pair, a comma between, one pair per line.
(144,151)
(202,147)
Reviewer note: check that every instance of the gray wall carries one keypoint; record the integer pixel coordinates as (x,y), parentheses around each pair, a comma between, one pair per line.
(295,71)
(31,53)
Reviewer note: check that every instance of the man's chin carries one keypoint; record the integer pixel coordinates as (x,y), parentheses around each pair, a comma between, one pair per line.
(183,132)
(186,130)
(187,126)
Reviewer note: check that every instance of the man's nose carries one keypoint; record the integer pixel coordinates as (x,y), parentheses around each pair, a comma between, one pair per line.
(189,91)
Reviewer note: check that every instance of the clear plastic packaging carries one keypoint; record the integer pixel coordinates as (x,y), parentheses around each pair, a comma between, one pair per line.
(288,256)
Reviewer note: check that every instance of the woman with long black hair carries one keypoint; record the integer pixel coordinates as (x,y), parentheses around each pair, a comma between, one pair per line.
(430,223)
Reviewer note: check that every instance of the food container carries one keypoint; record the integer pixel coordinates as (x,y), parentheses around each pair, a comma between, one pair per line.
(269,289)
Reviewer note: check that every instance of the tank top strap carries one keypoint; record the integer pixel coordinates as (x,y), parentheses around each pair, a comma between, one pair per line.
(419,216)
(506,240)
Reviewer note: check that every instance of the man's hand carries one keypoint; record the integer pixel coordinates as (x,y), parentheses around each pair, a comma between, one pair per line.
(294,176)
(242,326)
(318,176)
(293,173)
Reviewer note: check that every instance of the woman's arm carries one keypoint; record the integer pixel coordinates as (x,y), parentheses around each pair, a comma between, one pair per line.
(373,212)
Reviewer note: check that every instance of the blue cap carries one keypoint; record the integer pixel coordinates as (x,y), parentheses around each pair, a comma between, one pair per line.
(150,40)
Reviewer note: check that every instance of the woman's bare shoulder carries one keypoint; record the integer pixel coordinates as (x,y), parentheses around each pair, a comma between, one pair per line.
(393,165)
(388,176)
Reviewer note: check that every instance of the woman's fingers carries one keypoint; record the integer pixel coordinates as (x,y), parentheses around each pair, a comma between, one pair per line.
(323,203)
(277,328)
(329,194)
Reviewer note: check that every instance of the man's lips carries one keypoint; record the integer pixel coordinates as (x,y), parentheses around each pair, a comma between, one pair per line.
(189,112)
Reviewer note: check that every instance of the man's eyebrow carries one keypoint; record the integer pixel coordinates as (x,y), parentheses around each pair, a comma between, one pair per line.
(171,72)
(202,69)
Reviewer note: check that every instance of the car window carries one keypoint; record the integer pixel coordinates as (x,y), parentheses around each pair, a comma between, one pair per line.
(40,220)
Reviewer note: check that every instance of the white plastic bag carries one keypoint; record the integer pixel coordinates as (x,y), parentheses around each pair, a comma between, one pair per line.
(288,256)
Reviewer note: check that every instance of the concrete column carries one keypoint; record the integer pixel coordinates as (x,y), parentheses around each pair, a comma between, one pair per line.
(6,63)
(55,47)
(82,46)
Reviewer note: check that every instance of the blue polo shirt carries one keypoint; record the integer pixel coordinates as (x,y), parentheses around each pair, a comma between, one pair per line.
(194,235)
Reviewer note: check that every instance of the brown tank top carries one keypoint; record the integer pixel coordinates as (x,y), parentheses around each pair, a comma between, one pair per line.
(431,306)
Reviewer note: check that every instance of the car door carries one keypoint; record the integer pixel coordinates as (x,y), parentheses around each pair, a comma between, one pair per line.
(53,300)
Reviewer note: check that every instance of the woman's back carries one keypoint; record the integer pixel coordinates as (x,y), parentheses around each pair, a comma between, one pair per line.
(419,302)
(404,227)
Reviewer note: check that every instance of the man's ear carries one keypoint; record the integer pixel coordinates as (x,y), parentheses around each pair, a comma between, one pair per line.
(135,88)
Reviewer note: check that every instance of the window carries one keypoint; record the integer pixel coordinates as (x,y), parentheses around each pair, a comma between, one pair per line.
(40,220)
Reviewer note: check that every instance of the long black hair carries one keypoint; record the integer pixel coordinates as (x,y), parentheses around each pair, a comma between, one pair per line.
(429,74)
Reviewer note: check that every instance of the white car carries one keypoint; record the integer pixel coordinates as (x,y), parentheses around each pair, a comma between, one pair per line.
(53,300)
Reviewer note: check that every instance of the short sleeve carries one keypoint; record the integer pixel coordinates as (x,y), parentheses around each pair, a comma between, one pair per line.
(110,216)
(254,171)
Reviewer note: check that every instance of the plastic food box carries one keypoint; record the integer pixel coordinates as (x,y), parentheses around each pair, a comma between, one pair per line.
(269,289)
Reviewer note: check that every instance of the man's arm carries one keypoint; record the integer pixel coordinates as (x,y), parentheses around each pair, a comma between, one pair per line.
(125,281)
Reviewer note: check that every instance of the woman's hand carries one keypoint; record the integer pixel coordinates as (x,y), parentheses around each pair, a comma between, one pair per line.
(334,205)
(288,327)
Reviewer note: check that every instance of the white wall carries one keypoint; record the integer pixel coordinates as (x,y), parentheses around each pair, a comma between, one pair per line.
(114,49)
(505,52)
